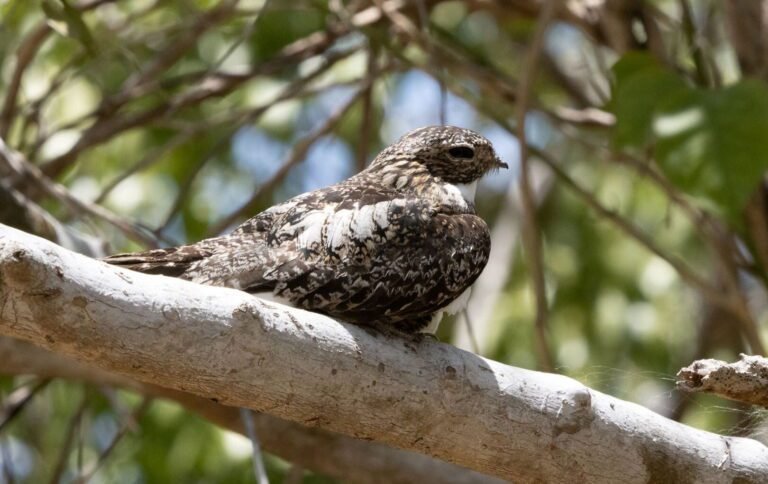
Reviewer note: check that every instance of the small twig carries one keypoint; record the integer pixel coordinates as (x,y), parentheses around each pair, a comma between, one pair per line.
(722,243)
(423,19)
(202,89)
(714,293)
(296,155)
(703,76)
(69,438)
(5,457)
(25,170)
(293,90)
(531,234)
(176,48)
(366,124)
(241,38)
(16,401)
(31,111)
(24,56)
(151,158)
(259,471)
(486,76)
(126,424)
(80,446)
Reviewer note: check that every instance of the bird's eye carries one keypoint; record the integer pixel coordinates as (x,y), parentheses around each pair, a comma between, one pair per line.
(464,152)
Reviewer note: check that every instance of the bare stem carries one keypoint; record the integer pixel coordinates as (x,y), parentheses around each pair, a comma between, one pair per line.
(531,233)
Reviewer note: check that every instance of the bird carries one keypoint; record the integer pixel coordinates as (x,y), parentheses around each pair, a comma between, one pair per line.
(396,246)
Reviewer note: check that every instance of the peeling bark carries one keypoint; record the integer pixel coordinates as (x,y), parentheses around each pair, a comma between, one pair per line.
(744,381)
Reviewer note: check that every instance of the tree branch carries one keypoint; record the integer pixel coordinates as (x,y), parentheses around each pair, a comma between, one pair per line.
(304,367)
(743,381)
(329,453)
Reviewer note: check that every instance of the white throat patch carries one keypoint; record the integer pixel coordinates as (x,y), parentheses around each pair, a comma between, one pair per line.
(468,190)
(458,194)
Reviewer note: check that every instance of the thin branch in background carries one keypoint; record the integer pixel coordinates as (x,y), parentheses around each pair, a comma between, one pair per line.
(597,81)
(531,233)
(723,244)
(5,457)
(686,272)
(440,56)
(151,158)
(69,437)
(24,56)
(127,423)
(206,88)
(18,400)
(703,76)
(31,112)
(291,91)
(259,471)
(366,123)
(80,446)
(495,84)
(246,33)
(297,154)
(723,247)
(443,103)
(565,78)
(18,165)
(423,16)
(175,48)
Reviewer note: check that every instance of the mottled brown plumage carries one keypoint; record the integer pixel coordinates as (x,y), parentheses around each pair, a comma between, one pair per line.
(392,246)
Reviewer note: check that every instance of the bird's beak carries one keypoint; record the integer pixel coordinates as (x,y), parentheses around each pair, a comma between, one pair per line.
(500,164)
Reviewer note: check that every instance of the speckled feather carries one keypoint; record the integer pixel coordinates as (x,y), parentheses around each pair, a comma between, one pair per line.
(393,245)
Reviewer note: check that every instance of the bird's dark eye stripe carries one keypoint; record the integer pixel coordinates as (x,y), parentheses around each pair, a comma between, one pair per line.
(462,152)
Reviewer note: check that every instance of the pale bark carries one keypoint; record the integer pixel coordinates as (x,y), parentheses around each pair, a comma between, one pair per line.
(326,452)
(299,366)
(745,380)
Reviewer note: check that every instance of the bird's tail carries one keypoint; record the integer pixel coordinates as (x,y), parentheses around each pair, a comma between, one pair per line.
(173,261)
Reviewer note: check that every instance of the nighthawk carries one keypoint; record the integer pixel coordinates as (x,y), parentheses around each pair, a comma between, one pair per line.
(395,246)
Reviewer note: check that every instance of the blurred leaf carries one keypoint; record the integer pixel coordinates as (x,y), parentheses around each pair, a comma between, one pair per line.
(710,143)
(640,83)
(53,10)
(68,21)
(278,28)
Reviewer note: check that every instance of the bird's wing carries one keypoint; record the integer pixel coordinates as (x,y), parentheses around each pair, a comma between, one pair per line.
(358,252)
(369,255)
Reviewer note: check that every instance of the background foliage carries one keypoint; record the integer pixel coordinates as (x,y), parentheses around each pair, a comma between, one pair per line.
(149,123)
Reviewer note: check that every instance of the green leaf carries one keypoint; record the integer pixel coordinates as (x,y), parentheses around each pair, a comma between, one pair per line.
(67,20)
(712,143)
(640,83)
(53,10)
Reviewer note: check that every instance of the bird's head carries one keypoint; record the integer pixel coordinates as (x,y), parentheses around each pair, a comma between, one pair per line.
(456,155)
